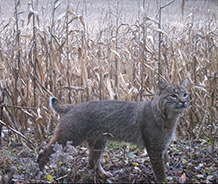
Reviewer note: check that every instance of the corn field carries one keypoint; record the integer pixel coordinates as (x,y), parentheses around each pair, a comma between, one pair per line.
(60,53)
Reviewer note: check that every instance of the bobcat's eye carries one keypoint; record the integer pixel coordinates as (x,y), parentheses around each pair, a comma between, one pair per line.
(185,94)
(174,96)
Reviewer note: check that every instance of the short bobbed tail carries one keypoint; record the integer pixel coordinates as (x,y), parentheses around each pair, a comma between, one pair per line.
(59,108)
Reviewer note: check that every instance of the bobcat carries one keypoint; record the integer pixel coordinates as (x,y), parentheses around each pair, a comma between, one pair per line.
(150,124)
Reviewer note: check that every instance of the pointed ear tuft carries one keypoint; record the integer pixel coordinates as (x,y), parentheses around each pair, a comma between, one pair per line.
(161,86)
(185,83)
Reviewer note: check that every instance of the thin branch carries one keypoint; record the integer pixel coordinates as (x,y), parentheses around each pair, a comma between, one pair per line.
(162,7)
(20,134)
(71,88)
(18,107)
(50,93)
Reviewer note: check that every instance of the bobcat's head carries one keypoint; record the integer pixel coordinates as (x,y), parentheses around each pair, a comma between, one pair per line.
(173,98)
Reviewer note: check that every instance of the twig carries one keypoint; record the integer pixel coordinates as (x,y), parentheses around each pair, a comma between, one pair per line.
(162,7)
(62,177)
(160,37)
(18,107)
(153,70)
(17,66)
(71,88)
(68,59)
(50,93)
(34,54)
(20,134)
(2,95)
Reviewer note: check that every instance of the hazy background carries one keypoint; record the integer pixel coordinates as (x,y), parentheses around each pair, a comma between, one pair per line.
(96,13)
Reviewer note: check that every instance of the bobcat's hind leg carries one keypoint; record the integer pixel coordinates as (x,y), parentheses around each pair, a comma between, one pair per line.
(96,149)
(44,155)
(61,137)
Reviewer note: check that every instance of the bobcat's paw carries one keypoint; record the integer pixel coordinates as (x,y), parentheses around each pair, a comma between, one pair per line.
(102,171)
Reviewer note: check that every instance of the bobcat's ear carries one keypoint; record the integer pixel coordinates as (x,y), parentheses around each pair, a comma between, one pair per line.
(161,86)
(185,83)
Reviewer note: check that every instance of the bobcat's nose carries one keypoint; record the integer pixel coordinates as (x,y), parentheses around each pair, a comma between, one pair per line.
(183,102)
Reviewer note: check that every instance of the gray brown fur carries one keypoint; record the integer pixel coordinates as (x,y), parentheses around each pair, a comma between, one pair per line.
(150,124)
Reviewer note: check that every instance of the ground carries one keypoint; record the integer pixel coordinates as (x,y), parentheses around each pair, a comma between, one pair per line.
(188,163)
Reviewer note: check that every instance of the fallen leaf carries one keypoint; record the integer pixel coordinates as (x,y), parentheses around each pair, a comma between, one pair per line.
(131,155)
(200,175)
(50,178)
(182,179)
(184,161)
(199,166)
(209,177)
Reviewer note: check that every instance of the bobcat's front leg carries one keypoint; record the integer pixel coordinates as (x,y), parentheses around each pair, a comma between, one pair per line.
(166,157)
(158,165)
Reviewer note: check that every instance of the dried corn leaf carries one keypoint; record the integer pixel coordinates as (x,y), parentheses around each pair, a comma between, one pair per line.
(110,90)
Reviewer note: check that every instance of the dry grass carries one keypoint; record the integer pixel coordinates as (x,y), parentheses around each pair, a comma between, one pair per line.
(40,60)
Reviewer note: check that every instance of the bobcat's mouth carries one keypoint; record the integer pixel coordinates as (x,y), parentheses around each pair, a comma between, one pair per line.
(181,105)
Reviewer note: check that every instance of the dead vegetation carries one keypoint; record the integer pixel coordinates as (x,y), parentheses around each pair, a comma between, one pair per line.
(40,58)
